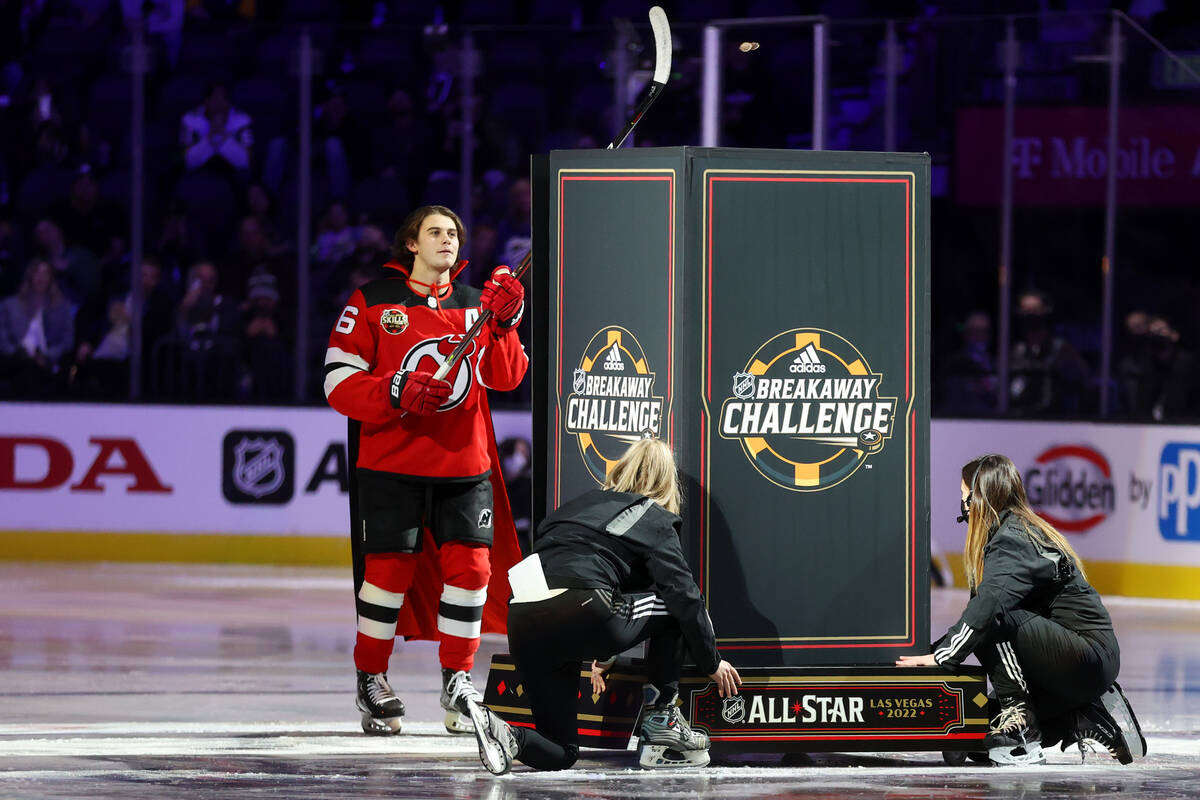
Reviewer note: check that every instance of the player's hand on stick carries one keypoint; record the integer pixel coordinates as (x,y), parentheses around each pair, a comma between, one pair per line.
(598,672)
(418,392)
(926,660)
(727,679)
(504,296)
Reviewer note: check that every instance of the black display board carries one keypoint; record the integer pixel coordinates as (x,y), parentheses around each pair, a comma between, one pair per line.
(766,313)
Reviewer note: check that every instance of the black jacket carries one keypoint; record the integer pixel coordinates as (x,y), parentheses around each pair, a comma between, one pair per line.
(626,543)
(1021,579)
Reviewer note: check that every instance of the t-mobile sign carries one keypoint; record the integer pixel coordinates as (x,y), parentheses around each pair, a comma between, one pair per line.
(1060,156)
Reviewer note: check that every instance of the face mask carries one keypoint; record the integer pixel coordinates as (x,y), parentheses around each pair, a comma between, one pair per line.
(965,507)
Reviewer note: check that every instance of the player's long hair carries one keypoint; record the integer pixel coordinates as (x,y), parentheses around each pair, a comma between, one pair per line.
(996,487)
(410,231)
(647,468)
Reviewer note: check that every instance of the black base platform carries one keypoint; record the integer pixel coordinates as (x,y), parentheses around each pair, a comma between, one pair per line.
(782,709)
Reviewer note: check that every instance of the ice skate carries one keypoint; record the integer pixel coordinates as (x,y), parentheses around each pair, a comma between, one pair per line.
(1108,721)
(668,741)
(1015,737)
(457,693)
(497,743)
(381,708)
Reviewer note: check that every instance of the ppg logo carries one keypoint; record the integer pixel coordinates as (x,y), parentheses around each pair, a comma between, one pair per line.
(1179,491)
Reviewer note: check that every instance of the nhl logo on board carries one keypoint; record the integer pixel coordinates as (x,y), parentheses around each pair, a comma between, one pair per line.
(743,385)
(579,380)
(394,321)
(258,467)
(733,709)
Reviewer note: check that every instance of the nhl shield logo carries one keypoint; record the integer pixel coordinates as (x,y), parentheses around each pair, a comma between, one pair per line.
(579,380)
(733,709)
(258,466)
(394,321)
(743,385)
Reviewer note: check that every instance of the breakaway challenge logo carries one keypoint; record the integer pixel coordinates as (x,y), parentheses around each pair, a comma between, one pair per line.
(612,401)
(807,410)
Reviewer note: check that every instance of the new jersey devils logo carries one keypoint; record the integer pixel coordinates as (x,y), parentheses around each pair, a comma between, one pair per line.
(430,354)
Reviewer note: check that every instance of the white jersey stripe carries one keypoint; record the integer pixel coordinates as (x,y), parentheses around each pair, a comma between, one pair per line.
(463,630)
(336,355)
(470,598)
(335,378)
(370,593)
(376,630)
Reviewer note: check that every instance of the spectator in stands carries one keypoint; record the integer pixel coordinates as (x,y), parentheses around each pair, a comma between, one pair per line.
(77,270)
(177,247)
(341,140)
(207,331)
(37,327)
(401,144)
(266,350)
(260,204)
(215,135)
(104,334)
(517,468)
(514,234)
(204,315)
(337,239)
(255,253)
(11,248)
(161,20)
(48,139)
(86,219)
(968,376)
(1047,375)
(340,147)
(1157,376)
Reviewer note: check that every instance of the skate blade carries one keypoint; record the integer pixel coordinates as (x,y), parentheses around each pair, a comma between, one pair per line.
(1131,732)
(380,726)
(456,722)
(660,756)
(1017,756)
(491,753)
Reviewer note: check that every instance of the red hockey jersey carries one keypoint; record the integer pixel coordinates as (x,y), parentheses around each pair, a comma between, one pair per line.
(387,327)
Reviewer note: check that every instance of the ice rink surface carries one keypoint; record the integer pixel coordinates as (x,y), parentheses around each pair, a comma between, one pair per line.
(140,681)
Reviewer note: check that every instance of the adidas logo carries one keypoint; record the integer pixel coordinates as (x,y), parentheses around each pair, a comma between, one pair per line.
(807,361)
(612,361)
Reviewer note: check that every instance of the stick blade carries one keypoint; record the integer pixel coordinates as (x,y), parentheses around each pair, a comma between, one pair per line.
(662,44)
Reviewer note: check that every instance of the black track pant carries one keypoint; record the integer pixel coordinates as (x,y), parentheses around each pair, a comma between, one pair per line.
(551,639)
(1058,669)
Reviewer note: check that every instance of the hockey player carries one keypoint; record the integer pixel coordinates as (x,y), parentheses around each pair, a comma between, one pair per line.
(1036,626)
(425,450)
(607,572)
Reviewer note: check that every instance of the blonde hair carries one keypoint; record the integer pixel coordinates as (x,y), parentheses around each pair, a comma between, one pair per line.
(995,487)
(647,468)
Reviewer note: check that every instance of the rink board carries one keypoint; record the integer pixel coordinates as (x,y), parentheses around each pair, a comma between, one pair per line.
(792,709)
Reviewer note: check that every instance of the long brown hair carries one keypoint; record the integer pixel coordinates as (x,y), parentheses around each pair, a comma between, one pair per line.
(647,467)
(995,487)
(410,231)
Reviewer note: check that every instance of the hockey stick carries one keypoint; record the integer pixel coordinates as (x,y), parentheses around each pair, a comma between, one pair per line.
(662,72)
(473,331)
